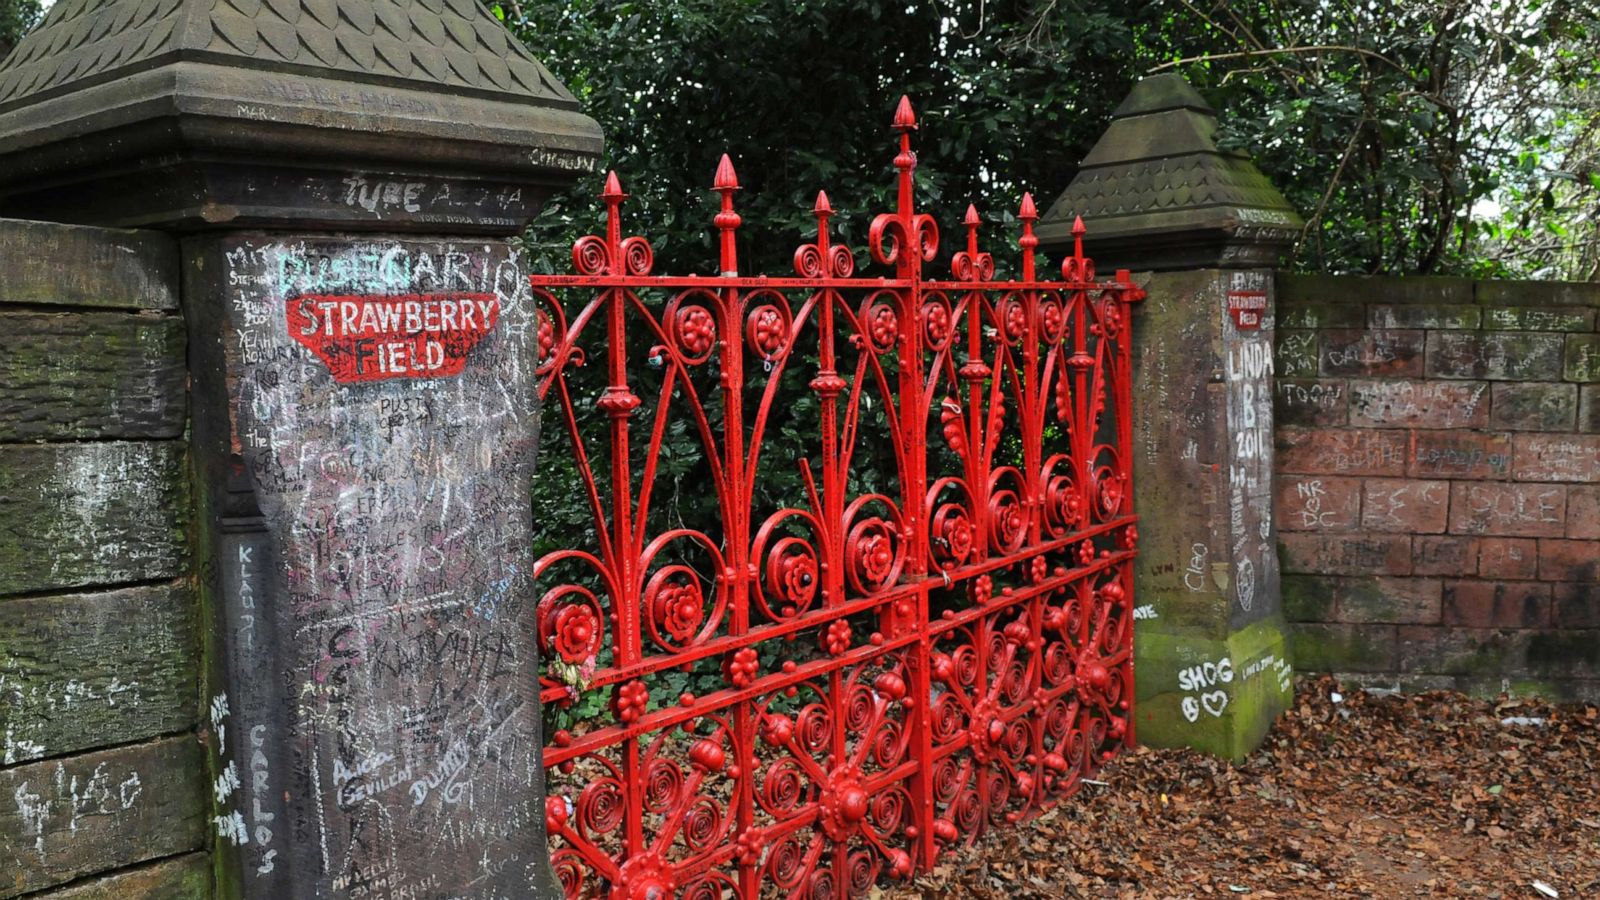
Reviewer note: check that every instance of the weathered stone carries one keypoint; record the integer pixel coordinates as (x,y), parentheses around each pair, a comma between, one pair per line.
(1526,510)
(1158,193)
(91,514)
(1496,604)
(1496,292)
(1345,554)
(91,375)
(1394,403)
(367,555)
(67,818)
(186,877)
(1408,505)
(1377,289)
(1216,695)
(1556,457)
(1437,554)
(1538,318)
(1534,406)
(1363,352)
(1207,572)
(1308,598)
(1459,454)
(1589,409)
(1494,355)
(1311,402)
(1295,355)
(1334,451)
(42,263)
(1424,315)
(1559,690)
(430,118)
(1582,358)
(1380,600)
(1318,503)
(92,670)
(1318,315)
(1343,648)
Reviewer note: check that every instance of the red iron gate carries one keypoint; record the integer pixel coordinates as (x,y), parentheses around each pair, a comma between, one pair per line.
(932,637)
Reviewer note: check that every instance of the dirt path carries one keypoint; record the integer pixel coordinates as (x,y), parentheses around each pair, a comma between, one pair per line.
(1430,795)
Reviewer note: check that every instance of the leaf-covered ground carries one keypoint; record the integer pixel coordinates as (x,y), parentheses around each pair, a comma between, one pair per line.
(1386,796)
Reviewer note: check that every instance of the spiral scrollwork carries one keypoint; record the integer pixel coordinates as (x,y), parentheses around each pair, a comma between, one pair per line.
(663,782)
(1077,269)
(601,806)
(863,871)
(814,727)
(571,872)
(783,788)
(591,256)
(702,824)
(809,262)
(637,256)
(786,862)
(965,266)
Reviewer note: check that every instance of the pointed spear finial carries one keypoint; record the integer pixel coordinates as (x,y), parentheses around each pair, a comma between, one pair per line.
(904,118)
(613,188)
(822,208)
(1028,212)
(1078,231)
(972,220)
(726,179)
(727,221)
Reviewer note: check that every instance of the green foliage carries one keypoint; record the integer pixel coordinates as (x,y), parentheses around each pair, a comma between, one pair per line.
(800,94)
(16,17)
(1417,136)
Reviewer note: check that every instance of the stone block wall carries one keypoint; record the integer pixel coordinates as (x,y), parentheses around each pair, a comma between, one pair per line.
(1438,481)
(102,779)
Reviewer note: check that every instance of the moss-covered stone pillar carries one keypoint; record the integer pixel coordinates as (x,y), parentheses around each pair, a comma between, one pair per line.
(361,348)
(1203,228)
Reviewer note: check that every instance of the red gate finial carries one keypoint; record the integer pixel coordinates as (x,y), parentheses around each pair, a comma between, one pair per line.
(727,221)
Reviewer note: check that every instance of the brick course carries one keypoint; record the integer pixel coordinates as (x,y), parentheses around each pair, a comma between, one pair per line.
(1438,496)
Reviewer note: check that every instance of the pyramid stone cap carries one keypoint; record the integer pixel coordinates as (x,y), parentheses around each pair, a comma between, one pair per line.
(391,114)
(1156,192)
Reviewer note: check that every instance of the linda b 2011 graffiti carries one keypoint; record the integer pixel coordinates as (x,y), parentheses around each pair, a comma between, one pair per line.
(376,337)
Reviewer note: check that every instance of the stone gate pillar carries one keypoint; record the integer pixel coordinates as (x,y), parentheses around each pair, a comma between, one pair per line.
(1203,228)
(345,175)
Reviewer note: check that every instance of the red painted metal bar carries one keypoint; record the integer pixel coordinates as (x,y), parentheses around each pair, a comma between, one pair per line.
(930,636)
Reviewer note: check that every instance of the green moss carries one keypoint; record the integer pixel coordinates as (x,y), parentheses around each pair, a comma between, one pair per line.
(1226,714)
(1335,648)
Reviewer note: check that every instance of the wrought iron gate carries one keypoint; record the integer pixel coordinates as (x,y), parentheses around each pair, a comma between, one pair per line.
(931,638)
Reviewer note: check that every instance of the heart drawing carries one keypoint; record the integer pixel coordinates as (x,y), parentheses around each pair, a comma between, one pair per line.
(1214,702)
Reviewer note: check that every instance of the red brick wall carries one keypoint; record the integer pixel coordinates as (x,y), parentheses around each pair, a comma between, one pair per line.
(1438,462)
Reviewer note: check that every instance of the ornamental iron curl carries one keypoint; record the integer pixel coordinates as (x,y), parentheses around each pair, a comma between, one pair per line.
(931,637)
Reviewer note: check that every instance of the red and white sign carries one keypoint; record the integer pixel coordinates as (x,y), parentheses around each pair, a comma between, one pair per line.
(1246,307)
(375,337)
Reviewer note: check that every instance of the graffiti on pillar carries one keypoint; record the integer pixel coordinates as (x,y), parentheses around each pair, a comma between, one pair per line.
(382,736)
(1249,373)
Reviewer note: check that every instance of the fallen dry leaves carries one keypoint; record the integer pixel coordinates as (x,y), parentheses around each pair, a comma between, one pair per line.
(1381,796)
